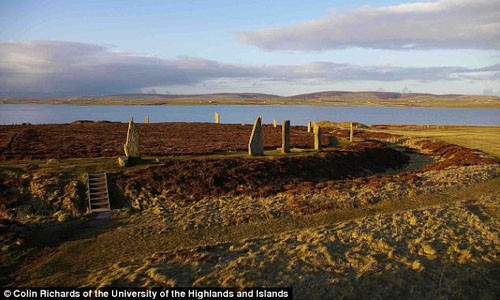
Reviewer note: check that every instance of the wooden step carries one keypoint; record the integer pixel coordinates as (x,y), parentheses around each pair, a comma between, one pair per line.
(100,209)
(97,187)
(99,203)
(98,193)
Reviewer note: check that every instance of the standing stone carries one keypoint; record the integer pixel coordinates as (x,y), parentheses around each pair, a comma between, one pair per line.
(146,120)
(285,137)
(275,123)
(351,134)
(216,118)
(309,126)
(314,127)
(131,146)
(317,138)
(122,161)
(256,143)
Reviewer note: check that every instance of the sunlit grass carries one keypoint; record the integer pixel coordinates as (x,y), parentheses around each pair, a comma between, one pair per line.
(485,138)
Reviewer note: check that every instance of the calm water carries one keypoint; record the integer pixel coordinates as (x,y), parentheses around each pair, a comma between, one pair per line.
(38,114)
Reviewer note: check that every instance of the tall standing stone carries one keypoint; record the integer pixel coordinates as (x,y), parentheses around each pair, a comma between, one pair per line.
(285,137)
(351,133)
(256,143)
(317,138)
(131,146)
(314,127)
(309,126)
(216,118)
(146,120)
(275,124)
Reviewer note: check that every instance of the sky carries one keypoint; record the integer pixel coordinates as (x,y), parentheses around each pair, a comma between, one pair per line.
(76,48)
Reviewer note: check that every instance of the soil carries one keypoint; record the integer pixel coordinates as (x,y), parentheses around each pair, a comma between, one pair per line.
(79,140)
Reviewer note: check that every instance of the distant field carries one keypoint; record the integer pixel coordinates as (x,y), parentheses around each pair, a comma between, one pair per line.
(482,138)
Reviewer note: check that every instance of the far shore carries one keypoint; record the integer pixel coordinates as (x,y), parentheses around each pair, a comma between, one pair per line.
(315,99)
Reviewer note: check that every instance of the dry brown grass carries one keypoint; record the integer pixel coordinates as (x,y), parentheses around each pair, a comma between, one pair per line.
(474,137)
(442,244)
(79,251)
(444,251)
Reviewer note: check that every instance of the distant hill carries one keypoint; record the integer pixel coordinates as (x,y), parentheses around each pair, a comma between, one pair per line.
(379,95)
(179,96)
(331,98)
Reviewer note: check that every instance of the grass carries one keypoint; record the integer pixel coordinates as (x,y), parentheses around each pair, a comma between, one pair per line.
(78,166)
(93,244)
(350,99)
(484,138)
(65,254)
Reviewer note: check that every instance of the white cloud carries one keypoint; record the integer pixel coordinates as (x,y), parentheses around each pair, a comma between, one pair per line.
(444,24)
(52,68)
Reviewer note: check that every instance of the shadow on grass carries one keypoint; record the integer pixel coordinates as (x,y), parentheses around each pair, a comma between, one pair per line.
(438,280)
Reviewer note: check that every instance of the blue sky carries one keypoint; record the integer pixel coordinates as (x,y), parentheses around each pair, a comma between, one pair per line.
(280,47)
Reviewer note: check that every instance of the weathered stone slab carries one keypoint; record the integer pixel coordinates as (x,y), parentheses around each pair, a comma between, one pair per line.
(256,143)
(122,161)
(317,138)
(216,118)
(314,126)
(351,133)
(275,124)
(131,146)
(285,137)
(146,120)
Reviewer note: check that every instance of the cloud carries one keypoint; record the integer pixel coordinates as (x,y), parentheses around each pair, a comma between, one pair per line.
(444,24)
(57,68)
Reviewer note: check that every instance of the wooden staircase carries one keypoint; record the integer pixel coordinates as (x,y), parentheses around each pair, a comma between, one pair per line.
(97,188)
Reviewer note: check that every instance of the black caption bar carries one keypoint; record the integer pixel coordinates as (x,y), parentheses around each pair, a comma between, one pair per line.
(143,293)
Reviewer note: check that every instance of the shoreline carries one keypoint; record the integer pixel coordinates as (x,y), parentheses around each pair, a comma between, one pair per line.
(315,104)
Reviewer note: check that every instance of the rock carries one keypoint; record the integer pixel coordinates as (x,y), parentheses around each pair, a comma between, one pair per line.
(309,126)
(285,137)
(146,120)
(317,137)
(122,161)
(351,133)
(256,143)
(131,146)
(216,118)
